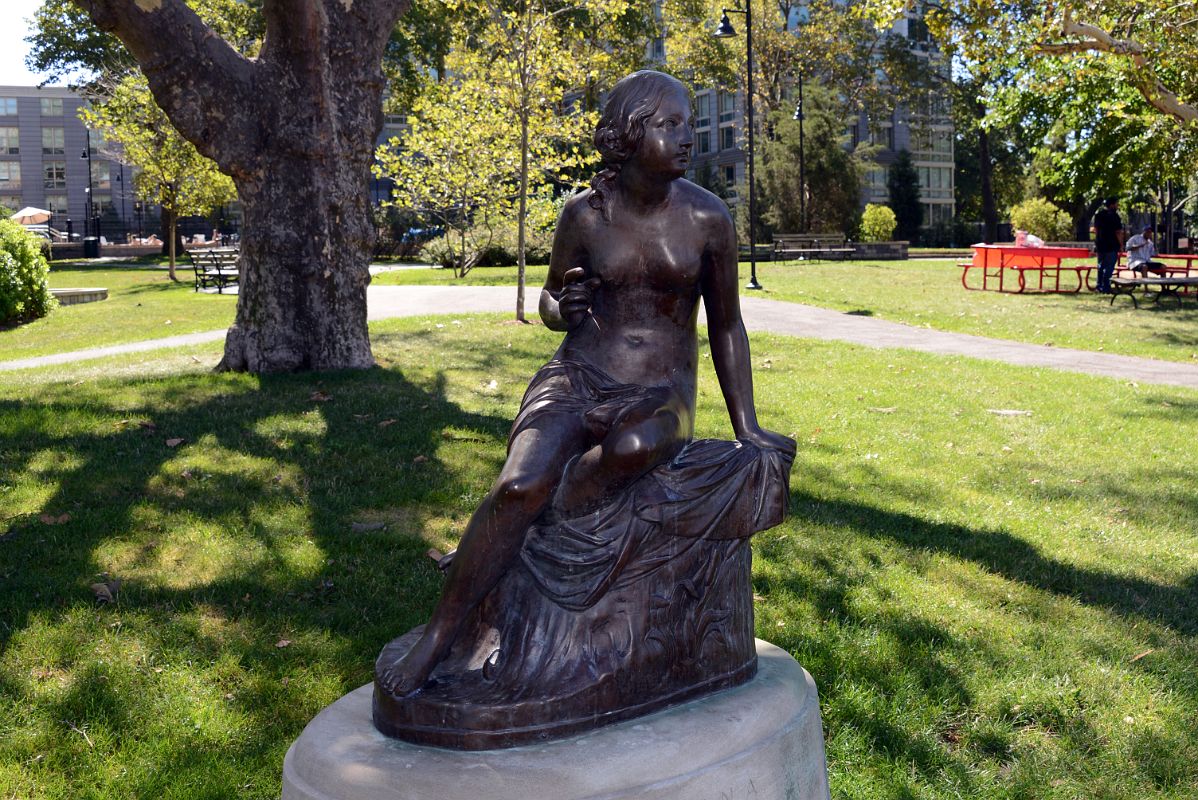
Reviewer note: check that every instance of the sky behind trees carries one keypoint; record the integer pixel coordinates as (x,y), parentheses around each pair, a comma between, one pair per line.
(14,27)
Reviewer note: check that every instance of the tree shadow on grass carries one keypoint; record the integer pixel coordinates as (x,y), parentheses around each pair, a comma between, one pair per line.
(264,464)
(1015,559)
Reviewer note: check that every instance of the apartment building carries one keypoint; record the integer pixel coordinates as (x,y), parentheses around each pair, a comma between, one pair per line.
(45,155)
(926,133)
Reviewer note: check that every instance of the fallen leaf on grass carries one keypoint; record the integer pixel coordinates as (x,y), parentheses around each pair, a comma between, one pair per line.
(106,592)
(386,423)
(149,426)
(419,459)
(1009,412)
(758,598)
(320,397)
(1138,656)
(50,519)
(434,554)
(367,527)
(286,680)
(887,410)
(174,442)
(283,643)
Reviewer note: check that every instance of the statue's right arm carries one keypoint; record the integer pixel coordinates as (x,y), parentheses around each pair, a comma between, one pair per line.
(565,296)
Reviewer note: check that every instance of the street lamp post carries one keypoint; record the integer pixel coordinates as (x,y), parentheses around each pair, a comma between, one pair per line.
(802,161)
(87,156)
(724,31)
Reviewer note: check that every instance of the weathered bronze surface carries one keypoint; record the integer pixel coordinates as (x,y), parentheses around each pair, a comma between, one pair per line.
(607,572)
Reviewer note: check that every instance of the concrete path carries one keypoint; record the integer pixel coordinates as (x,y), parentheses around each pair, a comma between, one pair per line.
(760,314)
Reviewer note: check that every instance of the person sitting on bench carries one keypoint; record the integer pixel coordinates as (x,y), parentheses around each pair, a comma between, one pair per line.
(1140,252)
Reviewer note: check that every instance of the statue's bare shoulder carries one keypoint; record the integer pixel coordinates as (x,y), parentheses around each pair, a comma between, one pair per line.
(708,213)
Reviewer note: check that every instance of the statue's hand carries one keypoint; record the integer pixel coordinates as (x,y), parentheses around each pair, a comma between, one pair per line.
(574,302)
(767,440)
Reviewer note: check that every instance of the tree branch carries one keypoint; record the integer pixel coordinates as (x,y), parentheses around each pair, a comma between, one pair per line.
(1095,39)
(202,83)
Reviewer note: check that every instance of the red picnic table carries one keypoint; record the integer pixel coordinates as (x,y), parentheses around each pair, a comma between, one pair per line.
(996,260)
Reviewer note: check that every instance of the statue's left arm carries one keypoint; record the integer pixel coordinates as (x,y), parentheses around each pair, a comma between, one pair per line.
(729,342)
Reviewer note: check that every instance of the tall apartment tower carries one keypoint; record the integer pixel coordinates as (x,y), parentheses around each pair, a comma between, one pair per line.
(926,132)
(44,161)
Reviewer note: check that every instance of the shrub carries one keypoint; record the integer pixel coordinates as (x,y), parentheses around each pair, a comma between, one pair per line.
(878,223)
(24,294)
(1042,218)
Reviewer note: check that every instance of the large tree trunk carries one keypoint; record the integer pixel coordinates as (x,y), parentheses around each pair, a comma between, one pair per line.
(295,128)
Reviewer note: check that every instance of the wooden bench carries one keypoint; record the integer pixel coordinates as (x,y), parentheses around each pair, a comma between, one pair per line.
(216,267)
(1167,286)
(787,246)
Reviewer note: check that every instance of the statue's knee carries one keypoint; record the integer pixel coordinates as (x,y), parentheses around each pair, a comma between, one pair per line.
(523,490)
(652,442)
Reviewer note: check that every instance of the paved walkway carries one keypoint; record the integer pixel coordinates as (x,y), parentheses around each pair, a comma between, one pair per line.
(760,314)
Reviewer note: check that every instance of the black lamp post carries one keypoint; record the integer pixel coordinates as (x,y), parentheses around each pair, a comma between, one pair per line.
(723,31)
(87,156)
(802,160)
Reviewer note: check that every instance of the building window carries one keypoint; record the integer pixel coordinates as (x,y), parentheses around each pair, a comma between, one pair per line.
(51,106)
(703,141)
(658,52)
(10,176)
(101,176)
(101,204)
(54,174)
(12,202)
(727,107)
(883,135)
(57,204)
(730,175)
(10,141)
(52,142)
(728,138)
(8,106)
(703,110)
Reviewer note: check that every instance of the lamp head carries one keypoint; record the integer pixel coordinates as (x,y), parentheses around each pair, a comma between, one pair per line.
(724,30)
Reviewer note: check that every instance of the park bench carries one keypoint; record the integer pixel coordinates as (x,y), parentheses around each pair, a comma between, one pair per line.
(1166,286)
(789,246)
(217,267)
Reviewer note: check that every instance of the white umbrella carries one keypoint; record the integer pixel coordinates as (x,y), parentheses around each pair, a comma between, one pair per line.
(31,216)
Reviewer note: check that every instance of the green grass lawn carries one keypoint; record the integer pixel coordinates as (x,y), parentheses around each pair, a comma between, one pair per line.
(142,304)
(993,605)
(480,276)
(929,293)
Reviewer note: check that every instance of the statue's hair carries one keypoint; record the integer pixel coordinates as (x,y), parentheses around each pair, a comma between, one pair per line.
(633,100)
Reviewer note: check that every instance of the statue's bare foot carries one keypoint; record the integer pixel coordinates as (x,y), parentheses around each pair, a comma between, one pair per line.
(408,674)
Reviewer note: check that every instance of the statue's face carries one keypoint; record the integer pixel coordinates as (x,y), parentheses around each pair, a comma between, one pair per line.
(666,147)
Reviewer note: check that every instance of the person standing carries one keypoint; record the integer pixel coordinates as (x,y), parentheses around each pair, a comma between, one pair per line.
(1108,240)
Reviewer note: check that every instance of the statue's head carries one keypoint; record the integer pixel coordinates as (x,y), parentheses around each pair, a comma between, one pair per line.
(632,101)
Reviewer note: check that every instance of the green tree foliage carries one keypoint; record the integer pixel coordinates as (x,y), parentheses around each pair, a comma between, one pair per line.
(828,41)
(1042,218)
(168,171)
(877,223)
(511,79)
(24,294)
(65,44)
(455,163)
(833,172)
(902,186)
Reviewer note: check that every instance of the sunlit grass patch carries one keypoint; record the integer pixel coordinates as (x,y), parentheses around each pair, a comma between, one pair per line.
(994,605)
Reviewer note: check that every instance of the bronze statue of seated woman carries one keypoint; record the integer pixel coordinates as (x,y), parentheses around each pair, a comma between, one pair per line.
(607,572)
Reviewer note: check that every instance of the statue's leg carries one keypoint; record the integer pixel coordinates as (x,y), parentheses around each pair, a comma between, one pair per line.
(535,461)
(645,437)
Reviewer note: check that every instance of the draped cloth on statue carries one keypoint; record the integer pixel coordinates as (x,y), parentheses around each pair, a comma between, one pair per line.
(640,603)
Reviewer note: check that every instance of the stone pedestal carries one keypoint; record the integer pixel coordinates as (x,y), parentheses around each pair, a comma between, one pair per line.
(761,740)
